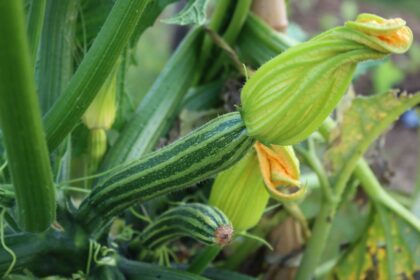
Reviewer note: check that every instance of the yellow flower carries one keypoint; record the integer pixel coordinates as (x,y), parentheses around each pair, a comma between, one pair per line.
(280,170)
(242,191)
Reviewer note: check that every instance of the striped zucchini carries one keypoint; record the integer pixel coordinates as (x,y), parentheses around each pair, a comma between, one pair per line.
(202,222)
(191,159)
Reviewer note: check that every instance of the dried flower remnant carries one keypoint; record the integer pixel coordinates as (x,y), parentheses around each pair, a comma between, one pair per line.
(223,235)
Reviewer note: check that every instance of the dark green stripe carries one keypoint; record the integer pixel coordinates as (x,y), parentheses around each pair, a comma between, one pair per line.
(209,212)
(180,146)
(132,191)
(185,220)
(184,217)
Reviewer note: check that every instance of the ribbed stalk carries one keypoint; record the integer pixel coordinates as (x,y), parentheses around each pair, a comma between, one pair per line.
(238,19)
(258,43)
(158,108)
(34,24)
(93,70)
(55,64)
(20,120)
(201,262)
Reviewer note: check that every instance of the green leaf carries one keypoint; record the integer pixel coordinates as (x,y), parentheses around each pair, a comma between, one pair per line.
(362,123)
(371,258)
(193,13)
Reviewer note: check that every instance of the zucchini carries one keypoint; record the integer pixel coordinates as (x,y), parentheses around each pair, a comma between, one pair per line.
(202,222)
(191,159)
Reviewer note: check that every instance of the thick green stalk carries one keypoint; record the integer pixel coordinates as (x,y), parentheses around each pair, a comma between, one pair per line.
(219,16)
(159,107)
(200,263)
(375,192)
(93,70)
(20,120)
(229,36)
(55,63)
(258,42)
(34,24)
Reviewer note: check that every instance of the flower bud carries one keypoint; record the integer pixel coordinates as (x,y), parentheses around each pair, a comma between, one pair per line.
(101,112)
(99,117)
(239,193)
(291,95)
(279,167)
(97,147)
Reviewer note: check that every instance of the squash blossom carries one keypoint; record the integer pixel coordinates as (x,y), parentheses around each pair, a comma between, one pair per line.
(279,168)
(291,95)
(242,191)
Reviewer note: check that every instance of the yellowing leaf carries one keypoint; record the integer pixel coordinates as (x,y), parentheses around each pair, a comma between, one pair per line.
(362,123)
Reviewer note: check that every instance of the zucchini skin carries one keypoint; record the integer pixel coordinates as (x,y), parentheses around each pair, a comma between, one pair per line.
(197,156)
(199,221)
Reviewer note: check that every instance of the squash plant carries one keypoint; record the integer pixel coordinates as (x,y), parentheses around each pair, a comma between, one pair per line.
(63,68)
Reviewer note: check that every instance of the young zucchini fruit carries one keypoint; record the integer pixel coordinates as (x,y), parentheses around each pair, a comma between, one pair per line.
(204,223)
(240,192)
(197,156)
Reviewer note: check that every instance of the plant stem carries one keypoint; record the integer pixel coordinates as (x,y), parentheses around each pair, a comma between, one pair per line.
(158,108)
(312,160)
(55,61)
(200,263)
(34,24)
(229,36)
(219,14)
(316,244)
(20,120)
(322,228)
(375,192)
(93,70)
(4,245)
